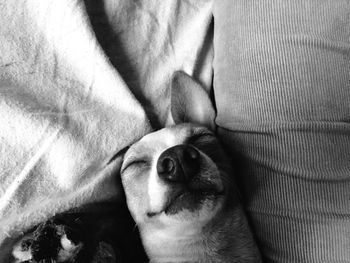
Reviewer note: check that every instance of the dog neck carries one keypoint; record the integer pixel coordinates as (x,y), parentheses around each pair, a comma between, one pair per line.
(219,241)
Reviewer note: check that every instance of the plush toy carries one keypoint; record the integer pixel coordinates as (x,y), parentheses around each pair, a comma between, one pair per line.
(49,242)
(99,237)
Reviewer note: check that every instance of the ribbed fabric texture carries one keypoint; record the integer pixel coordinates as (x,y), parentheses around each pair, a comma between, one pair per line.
(282,90)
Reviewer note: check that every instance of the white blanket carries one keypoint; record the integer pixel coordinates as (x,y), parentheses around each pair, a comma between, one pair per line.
(78,82)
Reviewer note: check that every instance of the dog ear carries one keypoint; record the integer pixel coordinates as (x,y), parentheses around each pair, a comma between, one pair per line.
(190,102)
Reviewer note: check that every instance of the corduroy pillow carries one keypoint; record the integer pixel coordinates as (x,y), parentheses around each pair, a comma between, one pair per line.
(282,91)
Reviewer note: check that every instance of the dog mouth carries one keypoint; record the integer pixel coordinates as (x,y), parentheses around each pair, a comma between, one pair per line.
(192,196)
(190,200)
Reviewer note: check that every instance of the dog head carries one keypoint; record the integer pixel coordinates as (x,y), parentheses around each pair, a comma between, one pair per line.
(179,187)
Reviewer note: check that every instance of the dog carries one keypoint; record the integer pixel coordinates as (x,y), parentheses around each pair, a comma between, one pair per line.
(180,190)
(180,187)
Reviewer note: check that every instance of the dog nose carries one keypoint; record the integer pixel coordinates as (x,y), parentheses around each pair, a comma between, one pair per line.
(178,164)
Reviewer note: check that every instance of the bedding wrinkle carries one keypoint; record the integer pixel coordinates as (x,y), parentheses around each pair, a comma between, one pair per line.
(22,178)
(170,36)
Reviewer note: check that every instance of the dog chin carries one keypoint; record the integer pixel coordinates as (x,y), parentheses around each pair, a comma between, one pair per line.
(187,206)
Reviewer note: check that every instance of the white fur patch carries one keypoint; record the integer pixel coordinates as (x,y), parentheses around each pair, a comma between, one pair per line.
(21,255)
(69,249)
(157,191)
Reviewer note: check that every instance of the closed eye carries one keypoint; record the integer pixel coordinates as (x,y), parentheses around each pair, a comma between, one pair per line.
(133,162)
(200,138)
(207,143)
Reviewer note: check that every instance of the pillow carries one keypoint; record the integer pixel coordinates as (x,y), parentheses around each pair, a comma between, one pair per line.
(281,84)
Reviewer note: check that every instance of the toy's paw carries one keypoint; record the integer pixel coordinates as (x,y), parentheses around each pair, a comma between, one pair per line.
(48,243)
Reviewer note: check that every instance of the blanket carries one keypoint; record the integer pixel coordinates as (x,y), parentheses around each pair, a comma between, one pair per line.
(79,81)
